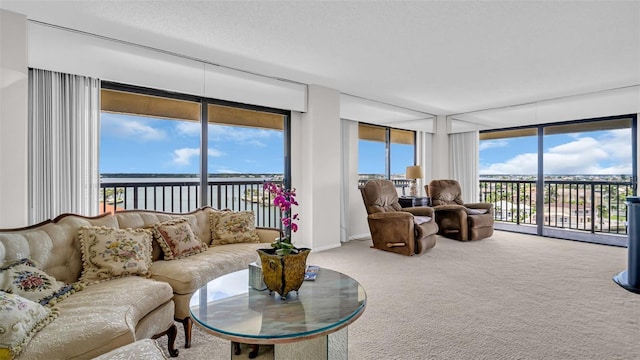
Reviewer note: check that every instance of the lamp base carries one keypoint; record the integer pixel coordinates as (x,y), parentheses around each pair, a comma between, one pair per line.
(413,190)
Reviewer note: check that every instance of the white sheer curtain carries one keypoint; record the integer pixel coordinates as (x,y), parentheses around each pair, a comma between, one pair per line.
(464,163)
(345,185)
(64,113)
(424,149)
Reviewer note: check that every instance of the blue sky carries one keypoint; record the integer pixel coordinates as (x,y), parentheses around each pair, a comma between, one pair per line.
(592,153)
(134,144)
(371,157)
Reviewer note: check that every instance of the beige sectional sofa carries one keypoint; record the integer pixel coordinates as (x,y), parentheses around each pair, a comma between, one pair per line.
(100,317)
(189,274)
(106,315)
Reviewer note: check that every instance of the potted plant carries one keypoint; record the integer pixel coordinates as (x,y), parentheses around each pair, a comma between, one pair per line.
(284,265)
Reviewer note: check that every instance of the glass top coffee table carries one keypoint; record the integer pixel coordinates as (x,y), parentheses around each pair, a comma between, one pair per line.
(313,321)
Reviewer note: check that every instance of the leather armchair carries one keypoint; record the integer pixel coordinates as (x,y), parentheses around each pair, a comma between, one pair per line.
(457,220)
(406,231)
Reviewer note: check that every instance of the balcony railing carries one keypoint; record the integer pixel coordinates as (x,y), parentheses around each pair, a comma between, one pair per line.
(401,184)
(587,206)
(182,195)
(591,206)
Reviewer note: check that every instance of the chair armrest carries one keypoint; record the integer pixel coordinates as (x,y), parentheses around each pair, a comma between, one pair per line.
(479,205)
(455,207)
(487,206)
(391,215)
(451,210)
(420,210)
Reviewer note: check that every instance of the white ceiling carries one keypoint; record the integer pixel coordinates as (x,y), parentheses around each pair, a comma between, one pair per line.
(438,57)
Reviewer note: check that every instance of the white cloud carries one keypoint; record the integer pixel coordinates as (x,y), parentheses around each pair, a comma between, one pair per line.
(520,164)
(128,127)
(182,157)
(582,155)
(249,136)
(215,153)
(488,144)
(243,135)
(188,128)
(227,171)
(615,140)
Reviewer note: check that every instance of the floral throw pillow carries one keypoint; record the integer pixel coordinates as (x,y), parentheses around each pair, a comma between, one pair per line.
(24,278)
(109,253)
(21,320)
(232,227)
(177,240)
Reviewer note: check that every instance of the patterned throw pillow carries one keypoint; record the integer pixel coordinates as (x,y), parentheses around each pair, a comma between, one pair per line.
(109,253)
(21,320)
(177,239)
(232,227)
(23,278)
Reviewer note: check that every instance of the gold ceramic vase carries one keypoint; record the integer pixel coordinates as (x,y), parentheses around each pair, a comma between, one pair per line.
(283,273)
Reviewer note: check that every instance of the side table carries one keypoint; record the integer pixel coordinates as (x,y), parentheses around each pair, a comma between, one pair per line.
(310,325)
(411,201)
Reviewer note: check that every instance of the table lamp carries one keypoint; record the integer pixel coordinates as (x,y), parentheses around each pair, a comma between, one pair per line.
(414,173)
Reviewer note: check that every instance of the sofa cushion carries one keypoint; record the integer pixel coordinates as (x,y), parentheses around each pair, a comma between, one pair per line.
(23,278)
(177,239)
(199,220)
(21,320)
(109,253)
(98,319)
(187,275)
(232,227)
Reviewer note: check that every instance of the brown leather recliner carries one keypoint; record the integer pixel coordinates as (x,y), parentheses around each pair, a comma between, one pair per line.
(405,231)
(457,220)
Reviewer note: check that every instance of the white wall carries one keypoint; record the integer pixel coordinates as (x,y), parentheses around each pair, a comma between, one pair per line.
(358,226)
(316,171)
(13,120)
(440,155)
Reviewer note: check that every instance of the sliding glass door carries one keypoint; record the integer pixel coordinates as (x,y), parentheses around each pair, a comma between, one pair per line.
(565,180)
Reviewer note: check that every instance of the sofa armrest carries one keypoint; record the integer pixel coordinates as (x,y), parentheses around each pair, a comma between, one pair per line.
(267,235)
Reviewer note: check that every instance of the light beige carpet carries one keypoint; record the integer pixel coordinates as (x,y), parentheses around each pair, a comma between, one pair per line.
(511,296)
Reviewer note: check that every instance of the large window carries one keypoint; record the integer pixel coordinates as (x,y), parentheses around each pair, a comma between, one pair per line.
(174,152)
(383,152)
(569,176)
(402,152)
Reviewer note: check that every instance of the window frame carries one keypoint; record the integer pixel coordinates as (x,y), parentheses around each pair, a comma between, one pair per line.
(388,135)
(204,103)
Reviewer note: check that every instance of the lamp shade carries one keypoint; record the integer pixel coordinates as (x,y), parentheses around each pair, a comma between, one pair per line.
(414,172)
